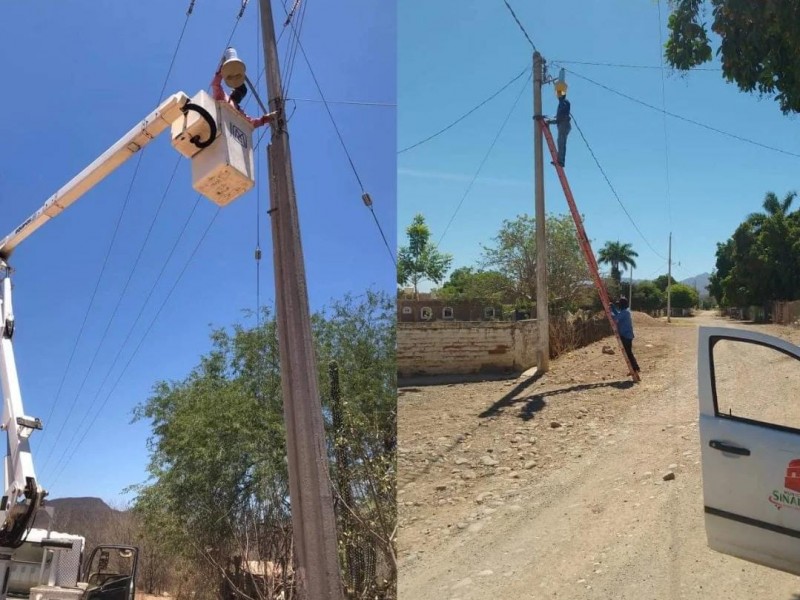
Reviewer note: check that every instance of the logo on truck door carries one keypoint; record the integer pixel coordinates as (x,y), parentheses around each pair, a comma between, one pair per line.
(790,496)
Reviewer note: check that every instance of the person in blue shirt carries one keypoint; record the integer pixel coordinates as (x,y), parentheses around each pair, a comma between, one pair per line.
(562,122)
(622,316)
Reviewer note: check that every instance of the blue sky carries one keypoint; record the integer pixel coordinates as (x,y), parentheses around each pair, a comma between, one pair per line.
(90,71)
(464,50)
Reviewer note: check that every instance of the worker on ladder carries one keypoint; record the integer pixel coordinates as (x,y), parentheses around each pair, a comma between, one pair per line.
(562,122)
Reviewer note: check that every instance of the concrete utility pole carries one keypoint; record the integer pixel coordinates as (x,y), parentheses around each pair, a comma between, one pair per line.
(669,281)
(313,519)
(542,312)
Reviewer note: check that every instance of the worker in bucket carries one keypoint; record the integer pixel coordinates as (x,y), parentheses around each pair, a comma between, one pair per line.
(622,316)
(562,122)
(232,69)
(235,99)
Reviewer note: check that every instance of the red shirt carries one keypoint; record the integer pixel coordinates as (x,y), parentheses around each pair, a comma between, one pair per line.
(220,96)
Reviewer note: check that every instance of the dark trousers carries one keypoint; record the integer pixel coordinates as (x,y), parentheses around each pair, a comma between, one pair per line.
(628,345)
(563,131)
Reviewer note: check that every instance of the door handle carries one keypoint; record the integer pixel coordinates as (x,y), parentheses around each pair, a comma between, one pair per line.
(728,448)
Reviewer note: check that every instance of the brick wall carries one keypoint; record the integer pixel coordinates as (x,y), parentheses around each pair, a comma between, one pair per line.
(448,348)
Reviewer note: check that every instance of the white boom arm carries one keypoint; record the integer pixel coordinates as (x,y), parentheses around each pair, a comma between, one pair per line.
(146,131)
(222,173)
(22,494)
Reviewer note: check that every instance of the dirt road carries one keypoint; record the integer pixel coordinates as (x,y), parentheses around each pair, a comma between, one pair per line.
(555,488)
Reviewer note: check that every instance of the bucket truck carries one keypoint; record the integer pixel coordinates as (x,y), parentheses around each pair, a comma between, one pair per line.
(218,139)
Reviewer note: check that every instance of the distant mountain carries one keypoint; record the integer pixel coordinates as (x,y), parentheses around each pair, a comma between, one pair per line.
(89,517)
(700,281)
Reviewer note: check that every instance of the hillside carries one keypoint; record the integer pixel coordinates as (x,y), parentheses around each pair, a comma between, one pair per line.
(89,517)
(700,281)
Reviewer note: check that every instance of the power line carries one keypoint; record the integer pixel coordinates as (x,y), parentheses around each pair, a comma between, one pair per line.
(608,181)
(138,347)
(293,44)
(177,47)
(136,322)
(242,8)
(349,102)
(485,158)
(114,311)
(466,114)
(623,66)
(682,118)
(525,33)
(133,270)
(341,141)
(116,229)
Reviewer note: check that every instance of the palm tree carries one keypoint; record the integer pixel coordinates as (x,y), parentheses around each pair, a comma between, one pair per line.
(617,255)
(772,208)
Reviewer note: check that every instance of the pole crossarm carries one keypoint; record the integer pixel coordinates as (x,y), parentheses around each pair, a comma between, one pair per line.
(586,247)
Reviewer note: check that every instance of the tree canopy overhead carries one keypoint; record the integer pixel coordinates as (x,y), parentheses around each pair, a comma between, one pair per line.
(759,42)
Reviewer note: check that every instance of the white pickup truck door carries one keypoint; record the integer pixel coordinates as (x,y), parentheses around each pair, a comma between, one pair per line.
(750,445)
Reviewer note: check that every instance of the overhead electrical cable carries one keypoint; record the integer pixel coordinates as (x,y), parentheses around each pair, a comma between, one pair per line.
(614,191)
(623,66)
(483,161)
(525,33)
(466,114)
(682,118)
(82,328)
(365,196)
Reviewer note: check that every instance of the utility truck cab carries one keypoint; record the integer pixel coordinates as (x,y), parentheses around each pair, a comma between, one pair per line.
(748,385)
(108,574)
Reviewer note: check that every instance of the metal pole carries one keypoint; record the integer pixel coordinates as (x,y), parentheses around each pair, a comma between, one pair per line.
(542,313)
(630,291)
(313,520)
(669,281)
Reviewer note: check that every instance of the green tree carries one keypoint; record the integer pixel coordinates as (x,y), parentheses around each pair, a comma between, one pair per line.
(619,256)
(758,49)
(513,255)
(420,260)
(773,208)
(760,263)
(647,296)
(683,296)
(218,483)
(661,282)
(722,269)
(467,283)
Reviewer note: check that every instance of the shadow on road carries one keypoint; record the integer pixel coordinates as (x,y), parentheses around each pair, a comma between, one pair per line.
(510,398)
(535,403)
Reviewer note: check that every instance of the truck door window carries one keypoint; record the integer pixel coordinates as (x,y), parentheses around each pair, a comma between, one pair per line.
(755,383)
